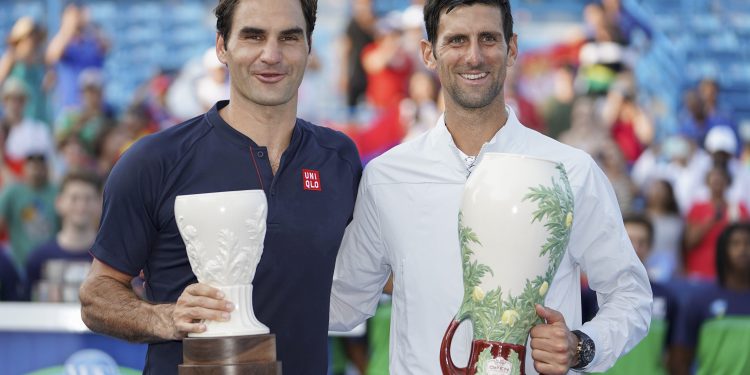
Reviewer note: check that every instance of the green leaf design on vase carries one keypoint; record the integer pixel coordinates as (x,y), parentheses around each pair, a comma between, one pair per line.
(484,358)
(516,362)
(504,317)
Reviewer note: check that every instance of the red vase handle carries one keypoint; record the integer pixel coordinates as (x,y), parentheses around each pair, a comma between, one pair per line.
(446,362)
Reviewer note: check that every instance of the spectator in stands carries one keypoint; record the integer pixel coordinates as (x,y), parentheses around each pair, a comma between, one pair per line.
(27,208)
(696,118)
(613,165)
(662,211)
(71,156)
(77,46)
(10,282)
(629,126)
(705,221)
(602,56)
(586,131)
(650,356)
(419,112)
(153,96)
(387,64)
(714,327)
(717,113)
(557,111)
(412,20)
(23,60)
(687,166)
(625,22)
(521,105)
(91,117)
(721,147)
(359,33)
(79,205)
(24,134)
(721,143)
(135,123)
(108,149)
(214,84)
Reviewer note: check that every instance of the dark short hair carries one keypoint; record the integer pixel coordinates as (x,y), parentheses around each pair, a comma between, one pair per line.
(225,12)
(433,9)
(643,221)
(84,176)
(722,249)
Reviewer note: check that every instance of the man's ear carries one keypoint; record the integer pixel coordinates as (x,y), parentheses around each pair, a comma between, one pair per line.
(512,50)
(221,50)
(428,55)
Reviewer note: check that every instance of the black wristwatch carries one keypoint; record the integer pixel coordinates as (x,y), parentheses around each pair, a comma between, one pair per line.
(585,350)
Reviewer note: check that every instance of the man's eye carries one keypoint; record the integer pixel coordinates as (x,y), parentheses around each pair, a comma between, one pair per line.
(457,39)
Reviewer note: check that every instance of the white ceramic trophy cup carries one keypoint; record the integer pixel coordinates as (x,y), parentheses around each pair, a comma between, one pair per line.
(223,234)
(514,226)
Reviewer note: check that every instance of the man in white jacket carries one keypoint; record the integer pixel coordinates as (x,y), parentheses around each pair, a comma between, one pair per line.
(406,217)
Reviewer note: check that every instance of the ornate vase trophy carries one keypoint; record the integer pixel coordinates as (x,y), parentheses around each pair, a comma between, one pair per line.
(223,234)
(514,227)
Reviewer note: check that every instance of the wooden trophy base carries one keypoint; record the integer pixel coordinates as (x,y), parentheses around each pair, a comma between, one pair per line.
(231,355)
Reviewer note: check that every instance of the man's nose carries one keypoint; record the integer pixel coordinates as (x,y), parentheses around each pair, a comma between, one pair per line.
(474,55)
(271,52)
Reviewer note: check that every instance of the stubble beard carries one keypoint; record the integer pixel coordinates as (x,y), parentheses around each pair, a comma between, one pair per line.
(473,99)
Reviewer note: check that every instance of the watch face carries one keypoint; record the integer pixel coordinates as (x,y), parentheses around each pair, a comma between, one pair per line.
(587,350)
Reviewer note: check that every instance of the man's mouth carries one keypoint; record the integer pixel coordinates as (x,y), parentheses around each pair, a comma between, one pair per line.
(474,76)
(269,77)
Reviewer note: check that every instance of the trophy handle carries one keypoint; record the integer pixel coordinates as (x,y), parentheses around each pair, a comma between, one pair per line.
(446,362)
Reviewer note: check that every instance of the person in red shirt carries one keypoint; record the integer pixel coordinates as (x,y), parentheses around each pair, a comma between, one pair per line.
(387,64)
(705,221)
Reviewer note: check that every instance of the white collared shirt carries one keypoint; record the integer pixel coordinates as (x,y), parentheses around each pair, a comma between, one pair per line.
(405,222)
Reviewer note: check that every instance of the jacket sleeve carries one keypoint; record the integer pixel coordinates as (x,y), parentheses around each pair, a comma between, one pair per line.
(602,248)
(362,268)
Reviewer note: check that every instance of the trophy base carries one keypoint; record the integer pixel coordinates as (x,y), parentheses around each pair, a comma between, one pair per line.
(231,355)
(255,369)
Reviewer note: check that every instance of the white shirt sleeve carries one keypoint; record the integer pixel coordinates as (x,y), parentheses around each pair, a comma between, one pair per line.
(602,248)
(361,266)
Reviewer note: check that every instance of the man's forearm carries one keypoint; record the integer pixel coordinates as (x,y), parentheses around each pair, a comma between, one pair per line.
(111,308)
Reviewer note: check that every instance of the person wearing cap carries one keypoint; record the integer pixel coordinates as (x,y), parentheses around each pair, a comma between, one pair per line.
(213,86)
(721,149)
(24,61)
(27,208)
(88,120)
(25,135)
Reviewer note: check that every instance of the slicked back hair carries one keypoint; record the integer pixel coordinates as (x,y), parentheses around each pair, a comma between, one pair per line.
(225,12)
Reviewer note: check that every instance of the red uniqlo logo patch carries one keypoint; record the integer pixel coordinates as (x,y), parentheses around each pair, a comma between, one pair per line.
(311,180)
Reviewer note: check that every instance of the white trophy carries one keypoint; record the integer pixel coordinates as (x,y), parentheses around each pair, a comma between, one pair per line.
(223,234)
